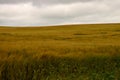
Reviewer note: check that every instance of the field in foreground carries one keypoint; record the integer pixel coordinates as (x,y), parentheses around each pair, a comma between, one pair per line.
(73,52)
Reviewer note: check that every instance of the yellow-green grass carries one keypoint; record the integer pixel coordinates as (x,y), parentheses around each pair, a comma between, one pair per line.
(79,52)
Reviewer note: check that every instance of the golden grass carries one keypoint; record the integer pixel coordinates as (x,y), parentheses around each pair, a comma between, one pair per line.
(71,40)
(71,52)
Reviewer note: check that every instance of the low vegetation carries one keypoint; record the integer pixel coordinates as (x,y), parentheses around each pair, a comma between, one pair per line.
(71,52)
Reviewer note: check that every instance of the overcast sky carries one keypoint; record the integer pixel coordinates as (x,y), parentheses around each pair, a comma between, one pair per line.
(56,12)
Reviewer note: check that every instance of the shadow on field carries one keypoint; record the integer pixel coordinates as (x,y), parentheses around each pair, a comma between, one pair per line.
(57,68)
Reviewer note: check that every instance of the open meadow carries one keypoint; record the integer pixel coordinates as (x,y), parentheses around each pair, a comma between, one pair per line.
(71,52)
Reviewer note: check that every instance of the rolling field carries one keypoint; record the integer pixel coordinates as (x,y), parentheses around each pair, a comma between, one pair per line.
(71,52)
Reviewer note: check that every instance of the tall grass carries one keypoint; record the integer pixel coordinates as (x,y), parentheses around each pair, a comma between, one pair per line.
(74,52)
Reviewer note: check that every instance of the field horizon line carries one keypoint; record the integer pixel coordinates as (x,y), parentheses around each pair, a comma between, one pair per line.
(64,25)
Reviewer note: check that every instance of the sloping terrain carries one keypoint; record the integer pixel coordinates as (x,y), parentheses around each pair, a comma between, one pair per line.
(71,52)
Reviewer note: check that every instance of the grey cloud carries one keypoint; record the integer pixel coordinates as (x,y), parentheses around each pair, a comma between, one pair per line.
(12,1)
(43,1)
(62,12)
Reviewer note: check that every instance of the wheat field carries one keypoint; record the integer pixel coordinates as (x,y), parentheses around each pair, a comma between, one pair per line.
(69,52)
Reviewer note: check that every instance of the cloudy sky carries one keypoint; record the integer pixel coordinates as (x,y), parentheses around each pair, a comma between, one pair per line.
(56,12)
